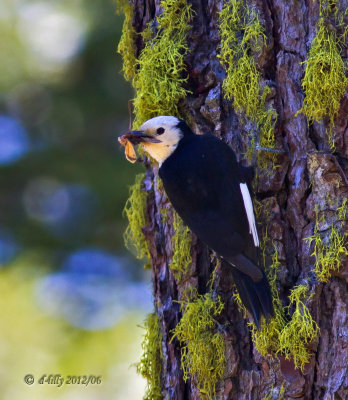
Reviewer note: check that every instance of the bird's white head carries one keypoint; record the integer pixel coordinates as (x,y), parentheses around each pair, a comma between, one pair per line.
(159,136)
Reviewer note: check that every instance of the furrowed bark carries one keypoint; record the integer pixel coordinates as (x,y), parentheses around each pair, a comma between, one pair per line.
(309,175)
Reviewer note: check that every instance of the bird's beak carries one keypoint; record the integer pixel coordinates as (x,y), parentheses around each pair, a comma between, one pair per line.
(137,137)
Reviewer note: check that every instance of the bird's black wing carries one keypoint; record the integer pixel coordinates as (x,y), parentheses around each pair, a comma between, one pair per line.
(202,180)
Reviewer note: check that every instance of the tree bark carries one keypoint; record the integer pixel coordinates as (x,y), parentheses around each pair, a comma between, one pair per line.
(309,175)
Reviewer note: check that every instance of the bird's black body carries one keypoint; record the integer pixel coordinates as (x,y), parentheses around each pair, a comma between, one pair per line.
(202,180)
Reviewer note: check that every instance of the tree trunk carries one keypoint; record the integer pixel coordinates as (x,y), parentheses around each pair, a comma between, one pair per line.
(300,194)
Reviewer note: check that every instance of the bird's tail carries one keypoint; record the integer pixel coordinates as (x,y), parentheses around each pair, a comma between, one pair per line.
(256,296)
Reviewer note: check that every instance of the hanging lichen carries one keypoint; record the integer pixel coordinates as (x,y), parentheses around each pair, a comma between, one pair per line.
(215,261)
(242,40)
(241,36)
(280,335)
(279,392)
(160,77)
(126,46)
(263,214)
(150,364)
(295,338)
(330,251)
(267,337)
(288,333)
(202,347)
(135,211)
(181,243)
(325,81)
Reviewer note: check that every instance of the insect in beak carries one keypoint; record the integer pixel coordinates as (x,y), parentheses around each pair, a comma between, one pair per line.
(133,138)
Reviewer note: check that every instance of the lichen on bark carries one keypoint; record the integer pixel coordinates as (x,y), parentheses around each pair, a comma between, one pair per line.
(292,329)
(330,248)
(181,243)
(126,46)
(305,177)
(202,346)
(242,40)
(150,364)
(159,82)
(135,212)
(325,81)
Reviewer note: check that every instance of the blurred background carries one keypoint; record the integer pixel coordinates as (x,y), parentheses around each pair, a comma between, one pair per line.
(71,295)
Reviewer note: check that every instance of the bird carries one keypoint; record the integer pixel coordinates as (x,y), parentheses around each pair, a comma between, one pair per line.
(209,189)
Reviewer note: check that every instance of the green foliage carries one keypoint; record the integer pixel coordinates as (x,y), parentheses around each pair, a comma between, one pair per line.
(159,80)
(126,46)
(325,81)
(150,364)
(181,243)
(63,105)
(135,211)
(329,252)
(242,40)
(202,347)
(288,334)
(38,342)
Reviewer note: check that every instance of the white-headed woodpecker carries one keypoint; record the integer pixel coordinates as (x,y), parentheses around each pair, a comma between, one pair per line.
(209,190)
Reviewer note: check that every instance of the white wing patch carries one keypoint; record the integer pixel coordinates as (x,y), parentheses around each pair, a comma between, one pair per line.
(248,204)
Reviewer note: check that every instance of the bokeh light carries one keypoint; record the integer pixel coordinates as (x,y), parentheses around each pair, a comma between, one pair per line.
(14,141)
(71,296)
(52,35)
(93,290)
(66,210)
(9,247)
(46,200)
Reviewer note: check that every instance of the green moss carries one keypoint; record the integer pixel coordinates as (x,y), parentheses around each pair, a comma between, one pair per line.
(160,78)
(329,252)
(135,211)
(325,81)
(126,46)
(287,333)
(202,347)
(242,40)
(181,243)
(150,364)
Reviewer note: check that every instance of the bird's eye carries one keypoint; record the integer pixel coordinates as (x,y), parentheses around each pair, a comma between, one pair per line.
(160,131)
